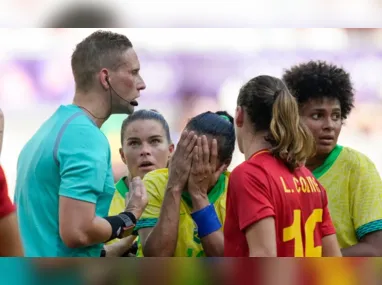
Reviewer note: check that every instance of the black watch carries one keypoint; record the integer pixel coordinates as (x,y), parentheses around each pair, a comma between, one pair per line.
(129,221)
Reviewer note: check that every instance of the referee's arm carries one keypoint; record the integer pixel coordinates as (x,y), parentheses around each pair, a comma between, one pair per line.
(84,165)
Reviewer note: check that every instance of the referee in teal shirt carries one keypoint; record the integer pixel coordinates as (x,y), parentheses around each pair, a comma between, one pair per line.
(64,175)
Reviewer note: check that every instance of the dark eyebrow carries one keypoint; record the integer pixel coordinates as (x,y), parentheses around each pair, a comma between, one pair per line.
(323,109)
(138,139)
(156,137)
(133,139)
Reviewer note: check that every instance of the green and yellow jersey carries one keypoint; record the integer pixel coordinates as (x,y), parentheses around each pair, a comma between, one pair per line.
(189,244)
(118,202)
(354,190)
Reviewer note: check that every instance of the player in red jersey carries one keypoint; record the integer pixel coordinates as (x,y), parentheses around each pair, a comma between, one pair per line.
(10,243)
(275,206)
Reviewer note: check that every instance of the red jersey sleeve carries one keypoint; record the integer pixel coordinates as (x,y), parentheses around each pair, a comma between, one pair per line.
(6,205)
(327,227)
(252,196)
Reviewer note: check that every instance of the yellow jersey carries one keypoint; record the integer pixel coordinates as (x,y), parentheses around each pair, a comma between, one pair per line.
(189,244)
(354,190)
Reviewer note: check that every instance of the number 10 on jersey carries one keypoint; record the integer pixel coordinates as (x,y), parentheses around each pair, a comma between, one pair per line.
(294,233)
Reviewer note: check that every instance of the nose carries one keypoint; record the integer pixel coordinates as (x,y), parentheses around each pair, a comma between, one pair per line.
(329,123)
(146,149)
(141,85)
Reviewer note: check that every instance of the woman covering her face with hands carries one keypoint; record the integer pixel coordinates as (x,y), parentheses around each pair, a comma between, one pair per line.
(186,208)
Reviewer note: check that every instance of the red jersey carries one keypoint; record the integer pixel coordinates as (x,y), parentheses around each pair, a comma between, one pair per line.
(264,187)
(6,205)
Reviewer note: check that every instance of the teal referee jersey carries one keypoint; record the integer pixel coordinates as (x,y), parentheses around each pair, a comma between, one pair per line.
(68,156)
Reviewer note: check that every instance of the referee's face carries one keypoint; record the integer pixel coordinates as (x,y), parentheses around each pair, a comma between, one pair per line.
(127,83)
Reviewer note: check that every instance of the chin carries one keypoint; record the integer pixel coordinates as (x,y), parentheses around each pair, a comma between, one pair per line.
(325,150)
(129,110)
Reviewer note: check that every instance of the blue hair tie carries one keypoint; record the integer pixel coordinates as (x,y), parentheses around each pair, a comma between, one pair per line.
(225,118)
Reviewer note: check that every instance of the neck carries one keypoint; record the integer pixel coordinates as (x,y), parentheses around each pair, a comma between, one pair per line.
(96,108)
(315,162)
(253,143)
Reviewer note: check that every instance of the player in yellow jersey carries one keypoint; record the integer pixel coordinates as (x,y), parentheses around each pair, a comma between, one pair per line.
(354,187)
(186,207)
(146,145)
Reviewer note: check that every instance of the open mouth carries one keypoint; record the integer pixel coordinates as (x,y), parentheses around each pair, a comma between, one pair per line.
(146,164)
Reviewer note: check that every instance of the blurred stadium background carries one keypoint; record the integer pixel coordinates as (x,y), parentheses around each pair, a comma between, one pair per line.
(187,71)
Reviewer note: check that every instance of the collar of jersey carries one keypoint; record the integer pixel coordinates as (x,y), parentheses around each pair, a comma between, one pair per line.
(213,195)
(329,161)
(121,187)
(265,150)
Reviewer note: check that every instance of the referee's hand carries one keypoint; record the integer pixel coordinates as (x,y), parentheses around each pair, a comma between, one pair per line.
(136,198)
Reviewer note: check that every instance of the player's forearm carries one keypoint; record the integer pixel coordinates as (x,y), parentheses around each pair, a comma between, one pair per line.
(163,238)
(213,244)
(118,248)
(330,247)
(10,242)
(98,231)
(360,249)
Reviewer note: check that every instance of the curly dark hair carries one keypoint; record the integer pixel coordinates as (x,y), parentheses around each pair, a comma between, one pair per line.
(318,79)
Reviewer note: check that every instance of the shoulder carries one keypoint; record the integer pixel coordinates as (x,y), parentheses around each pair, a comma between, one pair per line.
(355,159)
(250,170)
(155,181)
(82,127)
(81,134)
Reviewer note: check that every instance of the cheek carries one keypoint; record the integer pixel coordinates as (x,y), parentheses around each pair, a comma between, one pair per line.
(314,126)
(127,80)
(161,156)
(337,129)
(131,158)
(129,83)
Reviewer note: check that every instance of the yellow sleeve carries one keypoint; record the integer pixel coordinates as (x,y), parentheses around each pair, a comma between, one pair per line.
(155,184)
(366,197)
(117,206)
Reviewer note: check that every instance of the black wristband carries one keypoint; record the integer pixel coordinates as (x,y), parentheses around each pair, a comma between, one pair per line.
(131,216)
(119,223)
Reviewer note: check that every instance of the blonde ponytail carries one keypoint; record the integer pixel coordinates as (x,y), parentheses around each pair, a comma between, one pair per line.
(292,141)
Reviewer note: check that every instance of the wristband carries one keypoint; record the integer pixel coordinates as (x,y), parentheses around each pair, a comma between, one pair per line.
(120,223)
(131,216)
(207,221)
